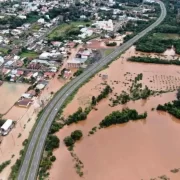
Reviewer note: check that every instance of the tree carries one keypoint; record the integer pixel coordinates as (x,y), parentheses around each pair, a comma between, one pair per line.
(93,102)
(178,94)
(53,158)
(76,135)
(68,141)
(52,142)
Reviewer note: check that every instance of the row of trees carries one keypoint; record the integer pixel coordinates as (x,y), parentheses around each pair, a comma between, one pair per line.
(153,60)
(4,165)
(52,142)
(124,116)
(79,115)
(104,93)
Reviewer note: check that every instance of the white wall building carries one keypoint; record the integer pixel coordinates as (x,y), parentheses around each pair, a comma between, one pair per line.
(105,25)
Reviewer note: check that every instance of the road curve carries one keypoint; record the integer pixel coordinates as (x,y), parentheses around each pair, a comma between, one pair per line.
(35,148)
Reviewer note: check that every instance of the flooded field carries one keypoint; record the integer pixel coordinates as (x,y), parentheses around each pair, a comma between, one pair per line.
(10,93)
(138,150)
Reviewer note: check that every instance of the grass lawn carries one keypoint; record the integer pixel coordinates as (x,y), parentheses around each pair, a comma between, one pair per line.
(29,54)
(65,27)
(108,51)
(166,36)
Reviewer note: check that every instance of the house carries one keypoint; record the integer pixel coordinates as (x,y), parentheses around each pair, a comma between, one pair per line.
(85,53)
(1,60)
(49,74)
(22,17)
(50,56)
(76,62)
(16,32)
(56,43)
(31,92)
(85,33)
(24,103)
(41,21)
(26,95)
(105,25)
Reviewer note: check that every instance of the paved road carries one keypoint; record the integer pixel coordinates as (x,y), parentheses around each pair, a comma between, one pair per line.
(33,154)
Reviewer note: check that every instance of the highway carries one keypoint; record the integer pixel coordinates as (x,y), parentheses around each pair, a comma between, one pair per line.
(30,165)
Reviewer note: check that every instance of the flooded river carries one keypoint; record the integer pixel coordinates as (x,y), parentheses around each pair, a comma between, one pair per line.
(138,150)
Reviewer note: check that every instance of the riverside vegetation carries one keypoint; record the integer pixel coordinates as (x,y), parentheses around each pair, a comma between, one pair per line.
(52,142)
(69,141)
(172,108)
(119,117)
(153,60)
(124,116)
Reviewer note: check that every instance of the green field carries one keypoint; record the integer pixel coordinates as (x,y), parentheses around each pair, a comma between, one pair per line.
(29,54)
(166,36)
(61,30)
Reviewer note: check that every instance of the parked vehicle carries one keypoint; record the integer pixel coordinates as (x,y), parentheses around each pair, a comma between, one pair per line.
(6,127)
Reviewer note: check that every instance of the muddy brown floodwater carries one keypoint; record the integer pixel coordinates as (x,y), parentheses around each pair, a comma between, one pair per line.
(138,150)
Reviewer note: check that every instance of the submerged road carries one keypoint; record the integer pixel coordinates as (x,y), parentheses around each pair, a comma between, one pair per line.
(30,165)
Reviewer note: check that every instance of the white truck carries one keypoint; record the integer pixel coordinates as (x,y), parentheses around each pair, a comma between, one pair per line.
(6,127)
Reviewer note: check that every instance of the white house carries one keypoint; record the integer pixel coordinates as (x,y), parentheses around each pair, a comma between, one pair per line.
(41,21)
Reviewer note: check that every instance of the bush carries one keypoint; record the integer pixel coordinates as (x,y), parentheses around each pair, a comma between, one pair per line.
(111,44)
(78,72)
(4,165)
(68,141)
(25,142)
(53,158)
(76,135)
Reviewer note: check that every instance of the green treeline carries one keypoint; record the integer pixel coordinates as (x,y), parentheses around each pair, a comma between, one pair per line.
(124,116)
(172,108)
(79,115)
(153,60)
(4,165)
